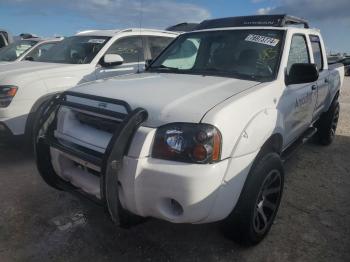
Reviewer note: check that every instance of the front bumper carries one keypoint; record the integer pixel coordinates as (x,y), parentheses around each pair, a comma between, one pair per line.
(14,118)
(176,192)
(5,132)
(172,191)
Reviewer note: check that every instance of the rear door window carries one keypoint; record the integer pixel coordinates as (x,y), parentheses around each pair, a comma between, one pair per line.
(317,51)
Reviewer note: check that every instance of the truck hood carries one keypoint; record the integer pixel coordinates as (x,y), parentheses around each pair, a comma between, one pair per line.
(12,70)
(168,97)
(2,63)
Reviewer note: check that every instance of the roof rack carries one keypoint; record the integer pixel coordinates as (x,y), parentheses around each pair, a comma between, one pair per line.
(182,27)
(255,20)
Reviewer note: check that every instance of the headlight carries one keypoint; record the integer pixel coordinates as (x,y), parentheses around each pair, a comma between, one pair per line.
(7,93)
(185,142)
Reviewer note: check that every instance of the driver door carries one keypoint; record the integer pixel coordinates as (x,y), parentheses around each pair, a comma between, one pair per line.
(131,49)
(298,101)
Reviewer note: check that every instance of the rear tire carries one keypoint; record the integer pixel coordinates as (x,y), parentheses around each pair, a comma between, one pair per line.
(258,204)
(327,124)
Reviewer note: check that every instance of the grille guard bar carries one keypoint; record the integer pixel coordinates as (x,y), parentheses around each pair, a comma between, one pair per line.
(110,162)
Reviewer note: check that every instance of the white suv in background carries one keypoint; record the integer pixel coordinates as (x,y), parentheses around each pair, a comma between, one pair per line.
(87,56)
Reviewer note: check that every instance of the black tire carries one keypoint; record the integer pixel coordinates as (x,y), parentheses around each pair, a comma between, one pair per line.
(258,204)
(327,124)
(128,220)
(32,123)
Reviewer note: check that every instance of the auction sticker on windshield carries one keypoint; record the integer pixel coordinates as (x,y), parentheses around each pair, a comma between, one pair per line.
(262,40)
(97,41)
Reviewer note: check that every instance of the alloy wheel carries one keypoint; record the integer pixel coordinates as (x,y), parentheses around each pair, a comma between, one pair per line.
(268,201)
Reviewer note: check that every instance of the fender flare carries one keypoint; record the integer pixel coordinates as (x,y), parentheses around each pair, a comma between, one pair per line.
(261,128)
(263,132)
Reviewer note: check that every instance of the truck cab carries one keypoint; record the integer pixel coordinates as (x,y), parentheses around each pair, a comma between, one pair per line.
(202,135)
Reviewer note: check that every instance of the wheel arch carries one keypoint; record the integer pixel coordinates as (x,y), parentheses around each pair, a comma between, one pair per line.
(34,109)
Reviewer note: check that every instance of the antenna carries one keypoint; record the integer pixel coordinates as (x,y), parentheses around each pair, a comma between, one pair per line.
(141,38)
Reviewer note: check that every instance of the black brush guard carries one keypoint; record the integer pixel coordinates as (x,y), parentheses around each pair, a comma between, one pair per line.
(110,162)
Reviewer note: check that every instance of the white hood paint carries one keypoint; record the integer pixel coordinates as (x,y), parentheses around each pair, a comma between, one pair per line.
(168,97)
(27,67)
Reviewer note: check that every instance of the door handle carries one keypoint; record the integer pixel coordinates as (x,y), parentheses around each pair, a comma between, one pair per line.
(313,87)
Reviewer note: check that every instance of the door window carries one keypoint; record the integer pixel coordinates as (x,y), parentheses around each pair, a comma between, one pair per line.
(129,48)
(157,44)
(15,50)
(317,52)
(298,52)
(40,51)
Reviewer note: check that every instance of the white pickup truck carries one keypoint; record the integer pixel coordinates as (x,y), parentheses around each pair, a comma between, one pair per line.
(201,136)
(27,85)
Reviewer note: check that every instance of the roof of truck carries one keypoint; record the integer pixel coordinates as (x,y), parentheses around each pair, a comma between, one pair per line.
(114,32)
(255,20)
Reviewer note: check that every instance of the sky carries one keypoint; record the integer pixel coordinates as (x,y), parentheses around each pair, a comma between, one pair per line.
(66,17)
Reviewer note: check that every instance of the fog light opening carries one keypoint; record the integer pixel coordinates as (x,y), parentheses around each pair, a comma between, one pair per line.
(176,207)
(171,208)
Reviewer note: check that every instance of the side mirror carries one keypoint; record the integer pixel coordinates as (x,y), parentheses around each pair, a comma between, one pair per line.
(148,63)
(110,60)
(302,74)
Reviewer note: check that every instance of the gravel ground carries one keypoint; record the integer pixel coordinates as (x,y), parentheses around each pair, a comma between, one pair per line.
(38,223)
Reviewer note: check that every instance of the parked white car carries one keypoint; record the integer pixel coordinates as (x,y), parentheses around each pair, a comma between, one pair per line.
(26,49)
(26,86)
(201,135)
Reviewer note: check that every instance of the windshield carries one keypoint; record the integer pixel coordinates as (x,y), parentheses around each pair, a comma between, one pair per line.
(75,50)
(16,49)
(246,54)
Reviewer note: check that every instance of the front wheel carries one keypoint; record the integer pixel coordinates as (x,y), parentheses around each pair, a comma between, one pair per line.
(258,204)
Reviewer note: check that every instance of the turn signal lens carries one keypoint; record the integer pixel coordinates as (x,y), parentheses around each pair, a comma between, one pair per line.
(185,142)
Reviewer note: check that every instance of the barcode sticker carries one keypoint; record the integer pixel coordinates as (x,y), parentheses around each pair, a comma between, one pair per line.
(97,41)
(262,40)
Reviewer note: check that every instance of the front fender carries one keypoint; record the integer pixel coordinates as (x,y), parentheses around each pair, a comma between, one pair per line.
(254,135)
(258,130)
